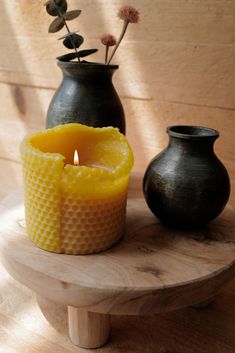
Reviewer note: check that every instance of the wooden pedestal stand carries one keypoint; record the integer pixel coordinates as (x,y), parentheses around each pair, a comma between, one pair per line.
(153,269)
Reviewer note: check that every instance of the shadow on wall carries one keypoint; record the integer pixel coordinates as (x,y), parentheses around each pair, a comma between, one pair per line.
(22,106)
(18,100)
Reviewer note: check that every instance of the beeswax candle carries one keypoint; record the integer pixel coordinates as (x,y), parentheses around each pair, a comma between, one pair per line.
(76,209)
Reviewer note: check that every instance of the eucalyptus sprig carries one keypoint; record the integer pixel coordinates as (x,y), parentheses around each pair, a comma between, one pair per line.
(72,40)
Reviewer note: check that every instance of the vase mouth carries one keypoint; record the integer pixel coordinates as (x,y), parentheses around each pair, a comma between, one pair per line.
(192,132)
(85,65)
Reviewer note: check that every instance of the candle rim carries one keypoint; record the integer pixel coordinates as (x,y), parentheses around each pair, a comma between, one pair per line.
(122,168)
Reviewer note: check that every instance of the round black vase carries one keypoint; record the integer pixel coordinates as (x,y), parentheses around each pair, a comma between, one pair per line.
(186,186)
(86,96)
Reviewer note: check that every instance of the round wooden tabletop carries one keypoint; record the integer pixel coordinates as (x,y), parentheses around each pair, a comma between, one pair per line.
(152,269)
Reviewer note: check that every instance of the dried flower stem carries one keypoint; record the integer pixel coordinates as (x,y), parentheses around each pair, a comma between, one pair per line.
(106,53)
(124,28)
(67,27)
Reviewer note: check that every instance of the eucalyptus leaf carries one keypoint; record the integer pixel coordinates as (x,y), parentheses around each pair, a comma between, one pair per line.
(73,40)
(67,57)
(56,8)
(86,52)
(71,15)
(80,54)
(67,35)
(56,25)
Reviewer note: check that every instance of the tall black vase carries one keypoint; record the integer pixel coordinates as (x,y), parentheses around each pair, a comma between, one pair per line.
(186,186)
(86,96)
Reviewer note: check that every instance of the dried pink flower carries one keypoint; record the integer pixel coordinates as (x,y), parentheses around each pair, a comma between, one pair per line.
(128,13)
(108,39)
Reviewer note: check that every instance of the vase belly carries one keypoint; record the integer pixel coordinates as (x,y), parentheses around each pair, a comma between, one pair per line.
(186,185)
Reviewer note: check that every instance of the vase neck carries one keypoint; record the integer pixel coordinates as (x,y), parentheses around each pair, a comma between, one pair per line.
(199,147)
(87,71)
(192,139)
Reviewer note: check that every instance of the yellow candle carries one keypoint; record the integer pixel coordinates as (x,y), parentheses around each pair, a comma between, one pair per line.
(76,209)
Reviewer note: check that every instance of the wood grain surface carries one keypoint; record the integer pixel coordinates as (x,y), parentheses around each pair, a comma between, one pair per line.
(153,269)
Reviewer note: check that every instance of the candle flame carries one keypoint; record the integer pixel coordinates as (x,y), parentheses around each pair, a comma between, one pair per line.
(76,158)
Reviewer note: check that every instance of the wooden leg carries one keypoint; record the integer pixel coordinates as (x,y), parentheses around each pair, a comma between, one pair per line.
(87,329)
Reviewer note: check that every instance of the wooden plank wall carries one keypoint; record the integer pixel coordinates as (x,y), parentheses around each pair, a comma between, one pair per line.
(176,67)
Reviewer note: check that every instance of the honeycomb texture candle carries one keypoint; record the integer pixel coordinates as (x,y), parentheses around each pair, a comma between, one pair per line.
(76,209)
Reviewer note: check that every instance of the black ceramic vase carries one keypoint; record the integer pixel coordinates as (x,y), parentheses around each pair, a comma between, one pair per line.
(87,96)
(186,186)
